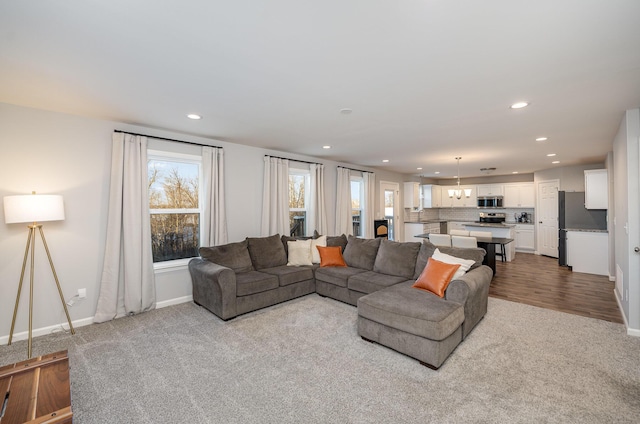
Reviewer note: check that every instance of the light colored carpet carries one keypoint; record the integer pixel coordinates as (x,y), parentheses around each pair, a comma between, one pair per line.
(303,362)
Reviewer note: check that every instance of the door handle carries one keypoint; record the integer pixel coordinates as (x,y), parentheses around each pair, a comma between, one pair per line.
(636,249)
(539,222)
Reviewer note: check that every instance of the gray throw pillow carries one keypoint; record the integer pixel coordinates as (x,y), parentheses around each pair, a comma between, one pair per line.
(267,252)
(426,251)
(361,253)
(395,258)
(333,241)
(232,255)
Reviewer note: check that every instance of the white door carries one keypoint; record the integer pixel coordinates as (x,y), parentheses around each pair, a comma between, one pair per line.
(390,206)
(547,219)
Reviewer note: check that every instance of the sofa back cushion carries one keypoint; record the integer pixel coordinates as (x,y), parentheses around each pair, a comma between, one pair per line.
(361,253)
(232,255)
(267,252)
(427,249)
(332,241)
(395,258)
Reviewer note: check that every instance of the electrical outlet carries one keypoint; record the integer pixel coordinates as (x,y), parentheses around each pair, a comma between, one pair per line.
(82,293)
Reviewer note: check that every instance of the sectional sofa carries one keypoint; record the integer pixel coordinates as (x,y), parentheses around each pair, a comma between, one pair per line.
(237,278)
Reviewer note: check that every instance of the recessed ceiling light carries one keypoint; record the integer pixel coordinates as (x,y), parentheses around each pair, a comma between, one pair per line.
(437,172)
(555,161)
(519,105)
(419,169)
(542,139)
(346,111)
(551,154)
(385,160)
(514,172)
(326,147)
(194,116)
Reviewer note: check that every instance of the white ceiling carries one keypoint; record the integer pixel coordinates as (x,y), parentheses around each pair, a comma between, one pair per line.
(428,80)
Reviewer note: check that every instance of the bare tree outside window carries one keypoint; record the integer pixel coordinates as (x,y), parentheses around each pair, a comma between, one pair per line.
(174,207)
(297,205)
(356,206)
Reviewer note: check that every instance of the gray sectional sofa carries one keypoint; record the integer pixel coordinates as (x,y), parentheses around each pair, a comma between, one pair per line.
(241,277)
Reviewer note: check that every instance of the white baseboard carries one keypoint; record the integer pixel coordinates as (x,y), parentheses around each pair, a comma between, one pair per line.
(176,301)
(81,322)
(630,331)
(47,330)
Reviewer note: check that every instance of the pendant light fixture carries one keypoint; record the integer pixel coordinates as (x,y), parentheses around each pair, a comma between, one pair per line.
(458,191)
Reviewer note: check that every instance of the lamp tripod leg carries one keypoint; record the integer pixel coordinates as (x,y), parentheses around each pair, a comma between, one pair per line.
(24,266)
(55,276)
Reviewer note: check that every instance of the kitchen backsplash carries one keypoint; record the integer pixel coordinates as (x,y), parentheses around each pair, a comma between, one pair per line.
(463,214)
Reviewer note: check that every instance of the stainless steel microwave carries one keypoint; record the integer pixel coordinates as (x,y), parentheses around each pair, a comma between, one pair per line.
(490,202)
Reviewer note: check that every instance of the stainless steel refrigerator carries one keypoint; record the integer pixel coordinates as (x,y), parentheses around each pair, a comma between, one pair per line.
(572,215)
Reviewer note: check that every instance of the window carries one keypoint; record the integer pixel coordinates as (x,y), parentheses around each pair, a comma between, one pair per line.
(174,205)
(299,185)
(357,204)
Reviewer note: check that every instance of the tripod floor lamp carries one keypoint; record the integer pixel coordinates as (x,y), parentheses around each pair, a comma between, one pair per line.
(34,208)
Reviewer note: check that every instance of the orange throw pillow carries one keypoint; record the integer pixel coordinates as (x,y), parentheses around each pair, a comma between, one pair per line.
(331,256)
(436,277)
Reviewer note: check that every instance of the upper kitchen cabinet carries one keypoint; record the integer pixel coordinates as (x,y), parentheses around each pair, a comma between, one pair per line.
(596,188)
(520,195)
(490,190)
(431,196)
(412,195)
(463,202)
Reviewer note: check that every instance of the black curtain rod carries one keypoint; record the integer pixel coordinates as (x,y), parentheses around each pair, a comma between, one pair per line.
(357,170)
(168,139)
(294,160)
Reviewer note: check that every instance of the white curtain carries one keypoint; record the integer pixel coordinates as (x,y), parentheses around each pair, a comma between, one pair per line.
(317,212)
(275,197)
(214,221)
(128,284)
(344,224)
(369,188)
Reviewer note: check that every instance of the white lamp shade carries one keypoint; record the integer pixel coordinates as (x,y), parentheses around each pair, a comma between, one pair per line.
(33,208)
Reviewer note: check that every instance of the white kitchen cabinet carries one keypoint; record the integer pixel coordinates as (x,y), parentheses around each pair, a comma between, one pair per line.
(463,202)
(521,195)
(596,187)
(412,195)
(525,238)
(490,190)
(431,196)
(588,251)
(456,225)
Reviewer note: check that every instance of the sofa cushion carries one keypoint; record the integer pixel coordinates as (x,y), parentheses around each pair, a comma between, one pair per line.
(395,258)
(290,275)
(369,281)
(436,276)
(285,239)
(361,253)
(340,240)
(427,249)
(315,253)
(253,282)
(299,253)
(338,276)
(413,311)
(465,264)
(330,256)
(267,252)
(232,255)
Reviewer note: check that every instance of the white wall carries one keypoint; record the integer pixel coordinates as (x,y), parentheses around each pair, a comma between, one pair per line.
(54,153)
(571,177)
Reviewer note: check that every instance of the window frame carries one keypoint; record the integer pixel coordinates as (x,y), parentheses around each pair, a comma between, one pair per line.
(166,156)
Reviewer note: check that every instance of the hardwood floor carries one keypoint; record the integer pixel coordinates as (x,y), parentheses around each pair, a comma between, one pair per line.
(540,281)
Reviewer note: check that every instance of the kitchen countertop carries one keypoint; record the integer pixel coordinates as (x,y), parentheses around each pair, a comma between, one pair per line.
(586,230)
